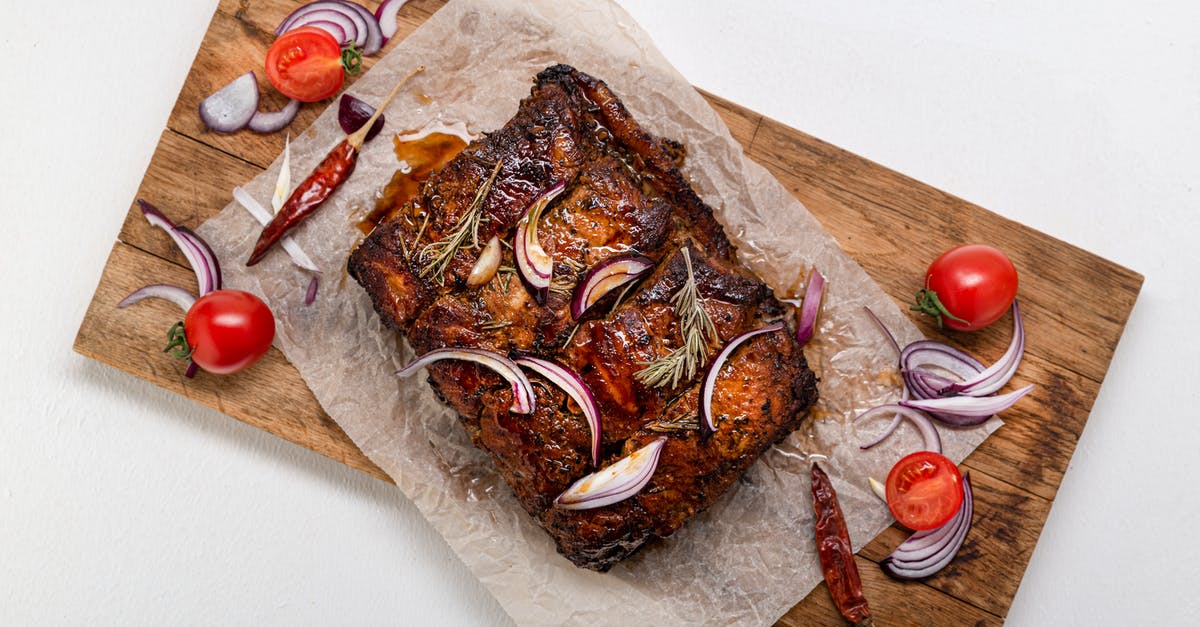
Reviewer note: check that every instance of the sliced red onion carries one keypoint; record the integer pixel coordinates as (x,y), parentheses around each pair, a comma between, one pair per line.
(927,552)
(708,422)
(931,440)
(260,213)
(177,295)
(272,121)
(886,332)
(232,106)
(198,253)
(534,265)
(353,113)
(311,294)
(360,27)
(967,410)
(605,277)
(386,16)
(813,294)
(374,39)
(487,264)
(192,368)
(573,385)
(343,27)
(523,398)
(615,483)
(995,377)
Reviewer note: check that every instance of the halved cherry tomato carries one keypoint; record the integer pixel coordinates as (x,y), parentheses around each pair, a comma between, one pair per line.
(228,330)
(924,490)
(968,287)
(306,64)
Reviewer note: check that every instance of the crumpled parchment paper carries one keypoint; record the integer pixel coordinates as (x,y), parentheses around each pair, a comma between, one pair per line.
(749,558)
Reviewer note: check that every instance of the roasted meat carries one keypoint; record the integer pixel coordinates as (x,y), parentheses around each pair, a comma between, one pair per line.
(624,194)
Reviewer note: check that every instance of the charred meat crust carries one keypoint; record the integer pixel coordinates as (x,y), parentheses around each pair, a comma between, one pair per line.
(624,194)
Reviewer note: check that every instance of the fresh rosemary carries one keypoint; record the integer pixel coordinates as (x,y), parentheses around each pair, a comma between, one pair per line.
(698,333)
(441,253)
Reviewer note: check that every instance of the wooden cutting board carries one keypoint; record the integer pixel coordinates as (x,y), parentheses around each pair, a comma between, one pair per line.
(1075,303)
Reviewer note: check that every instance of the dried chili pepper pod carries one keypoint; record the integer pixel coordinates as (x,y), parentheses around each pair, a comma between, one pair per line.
(837,556)
(333,170)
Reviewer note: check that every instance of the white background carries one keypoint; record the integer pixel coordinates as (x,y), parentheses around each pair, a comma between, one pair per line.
(121,503)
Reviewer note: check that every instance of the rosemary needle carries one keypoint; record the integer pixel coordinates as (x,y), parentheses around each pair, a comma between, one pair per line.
(697,330)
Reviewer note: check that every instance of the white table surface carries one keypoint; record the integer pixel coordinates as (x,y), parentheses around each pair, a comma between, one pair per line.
(121,503)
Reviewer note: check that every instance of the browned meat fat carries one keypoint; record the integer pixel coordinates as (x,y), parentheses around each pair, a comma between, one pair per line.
(624,194)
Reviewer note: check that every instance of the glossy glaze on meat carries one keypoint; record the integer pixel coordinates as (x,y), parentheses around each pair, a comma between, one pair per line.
(624,194)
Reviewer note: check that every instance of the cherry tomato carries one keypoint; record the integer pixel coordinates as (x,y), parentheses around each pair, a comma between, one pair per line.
(924,490)
(228,330)
(968,287)
(306,64)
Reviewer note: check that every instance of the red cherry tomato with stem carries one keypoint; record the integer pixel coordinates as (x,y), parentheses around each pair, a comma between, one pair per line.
(306,64)
(968,287)
(228,330)
(924,490)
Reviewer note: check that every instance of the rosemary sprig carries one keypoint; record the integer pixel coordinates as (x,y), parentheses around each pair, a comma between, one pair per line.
(495,325)
(697,330)
(683,422)
(441,253)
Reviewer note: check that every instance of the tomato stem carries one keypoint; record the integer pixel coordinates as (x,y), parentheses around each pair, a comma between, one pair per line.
(352,59)
(928,303)
(178,346)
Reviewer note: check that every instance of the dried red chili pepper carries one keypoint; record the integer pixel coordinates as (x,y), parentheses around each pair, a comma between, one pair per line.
(333,170)
(837,557)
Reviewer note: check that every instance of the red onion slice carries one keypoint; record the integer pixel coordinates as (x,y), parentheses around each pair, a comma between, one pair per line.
(176,295)
(344,28)
(386,16)
(310,294)
(810,307)
(605,277)
(232,106)
(353,113)
(260,213)
(374,40)
(998,374)
(887,333)
(534,265)
(707,420)
(272,121)
(929,435)
(523,398)
(573,385)
(967,410)
(198,253)
(927,552)
(615,483)
(360,27)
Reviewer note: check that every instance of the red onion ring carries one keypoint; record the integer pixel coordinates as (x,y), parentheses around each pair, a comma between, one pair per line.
(929,435)
(524,401)
(571,383)
(964,411)
(605,277)
(198,253)
(811,305)
(310,294)
(616,482)
(927,552)
(176,295)
(707,420)
(533,264)
(994,377)
(386,16)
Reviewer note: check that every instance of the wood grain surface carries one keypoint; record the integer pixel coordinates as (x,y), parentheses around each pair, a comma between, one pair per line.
(1075,305)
